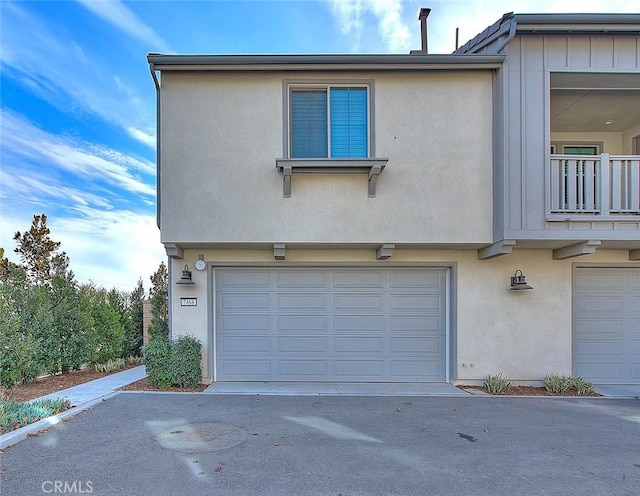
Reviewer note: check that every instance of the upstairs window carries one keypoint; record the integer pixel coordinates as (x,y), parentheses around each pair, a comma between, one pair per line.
(329,122)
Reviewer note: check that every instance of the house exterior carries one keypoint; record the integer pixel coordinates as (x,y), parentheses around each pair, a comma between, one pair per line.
(359,218)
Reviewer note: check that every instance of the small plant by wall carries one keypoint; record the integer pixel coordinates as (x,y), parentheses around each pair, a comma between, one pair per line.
(496,384)
(556,383)
(561,384)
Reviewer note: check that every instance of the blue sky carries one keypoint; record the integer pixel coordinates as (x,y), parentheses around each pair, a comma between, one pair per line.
(77,120)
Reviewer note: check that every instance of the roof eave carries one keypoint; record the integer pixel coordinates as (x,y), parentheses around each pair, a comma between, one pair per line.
(322,62)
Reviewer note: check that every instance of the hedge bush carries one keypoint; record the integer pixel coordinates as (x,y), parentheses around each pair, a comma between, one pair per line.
(173,363)
(157,358)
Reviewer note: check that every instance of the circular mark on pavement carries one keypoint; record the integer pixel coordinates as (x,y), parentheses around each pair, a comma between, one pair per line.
(202,436)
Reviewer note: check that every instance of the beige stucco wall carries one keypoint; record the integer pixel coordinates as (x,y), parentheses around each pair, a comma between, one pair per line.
(524,334)
(221,134)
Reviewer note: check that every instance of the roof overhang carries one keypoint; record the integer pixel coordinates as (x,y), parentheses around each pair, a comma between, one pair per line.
(278,63)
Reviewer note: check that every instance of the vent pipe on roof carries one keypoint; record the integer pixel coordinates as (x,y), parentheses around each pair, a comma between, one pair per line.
(422,17)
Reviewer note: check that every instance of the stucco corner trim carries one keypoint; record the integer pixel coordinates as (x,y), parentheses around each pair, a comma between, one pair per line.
(497,249)
(174,250)
(576,250)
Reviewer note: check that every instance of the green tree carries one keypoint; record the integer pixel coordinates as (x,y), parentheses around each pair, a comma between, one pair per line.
(106,334)
(39,253)
(135,322)
(159,327)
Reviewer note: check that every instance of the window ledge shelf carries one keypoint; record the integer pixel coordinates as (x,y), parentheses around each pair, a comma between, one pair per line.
(371,166)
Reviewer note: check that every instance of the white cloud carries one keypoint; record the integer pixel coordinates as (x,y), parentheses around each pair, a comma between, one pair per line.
(25,147)
(44,58)
(99,202)
(118,14)
(355,16)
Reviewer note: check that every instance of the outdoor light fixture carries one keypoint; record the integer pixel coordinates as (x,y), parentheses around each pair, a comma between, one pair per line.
(186,277)
(518,281)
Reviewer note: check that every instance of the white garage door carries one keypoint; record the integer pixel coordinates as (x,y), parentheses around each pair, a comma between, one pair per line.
(340,325)
(606,347)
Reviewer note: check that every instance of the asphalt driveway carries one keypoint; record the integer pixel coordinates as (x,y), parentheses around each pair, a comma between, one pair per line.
(192,444)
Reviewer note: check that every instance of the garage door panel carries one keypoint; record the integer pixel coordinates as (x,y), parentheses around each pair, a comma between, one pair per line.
(598,303)
(415,279)
(358,324)
(254,279)
(243,324)
(599,347)
(403,369)
(246,369)
(600,372)
(402,325)
(357,302)
(423,346)
(358,280)
(301,279)
(302,302)
(252,344)
(342,324)
(302,345)
(356,370)
(359,345)
(311,324)
(296,370)
(245,302)
(606,325)
(599,326)
(602,281)
(416,303)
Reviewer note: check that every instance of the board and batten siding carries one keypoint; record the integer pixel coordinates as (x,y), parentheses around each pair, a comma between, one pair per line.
(522,133)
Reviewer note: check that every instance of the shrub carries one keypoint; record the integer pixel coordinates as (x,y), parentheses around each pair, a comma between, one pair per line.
(157,357)
(14,414)
(186,362)
(110,366)
(496,384)
(556,384)
(582,386)
(18,350)
(135,360)
(174,363)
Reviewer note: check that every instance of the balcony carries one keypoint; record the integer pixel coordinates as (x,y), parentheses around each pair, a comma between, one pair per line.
(593,188)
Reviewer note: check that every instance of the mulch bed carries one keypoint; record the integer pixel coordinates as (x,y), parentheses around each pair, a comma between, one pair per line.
(529,391)
(143,385)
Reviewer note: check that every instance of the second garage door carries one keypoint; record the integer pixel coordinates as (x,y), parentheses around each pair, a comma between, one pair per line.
(340,324)
(606,339)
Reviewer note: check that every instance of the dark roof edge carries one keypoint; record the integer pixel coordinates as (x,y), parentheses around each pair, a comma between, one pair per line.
(511,23)
(599,19)
(322,62)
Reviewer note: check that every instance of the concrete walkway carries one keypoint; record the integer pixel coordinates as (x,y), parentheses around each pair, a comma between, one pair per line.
(94,390)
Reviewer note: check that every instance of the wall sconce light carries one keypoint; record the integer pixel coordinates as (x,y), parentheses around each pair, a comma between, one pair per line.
(186,277)
(518,281)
